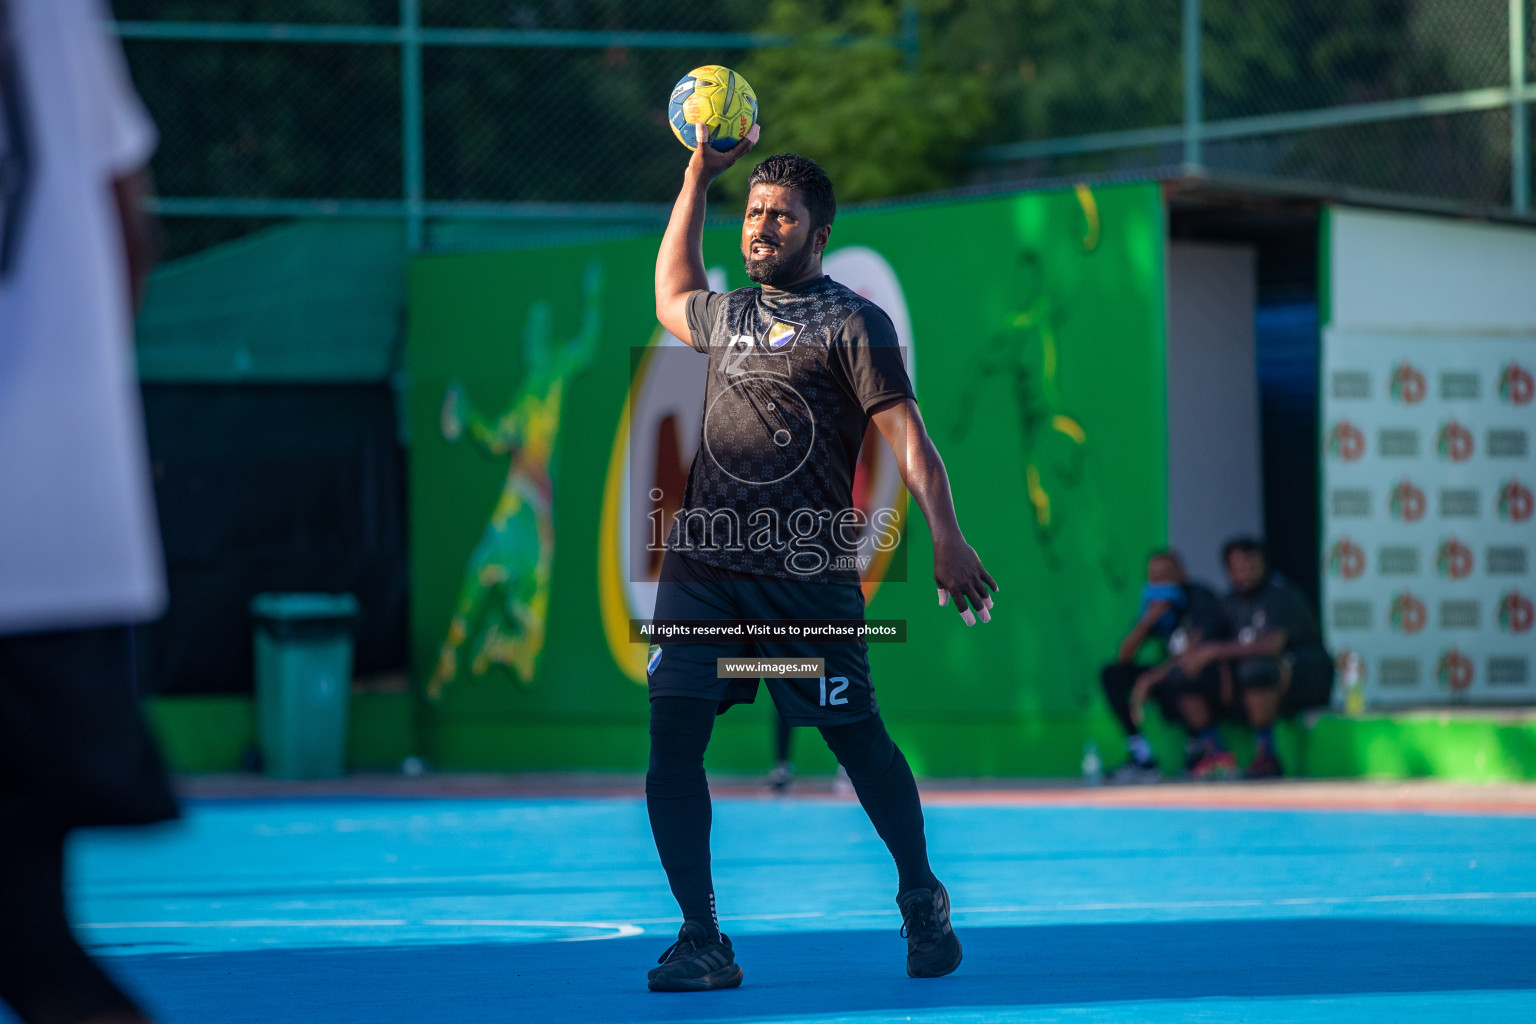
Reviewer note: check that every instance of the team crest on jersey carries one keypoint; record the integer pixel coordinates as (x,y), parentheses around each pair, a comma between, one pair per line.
(653,660)
(782,335)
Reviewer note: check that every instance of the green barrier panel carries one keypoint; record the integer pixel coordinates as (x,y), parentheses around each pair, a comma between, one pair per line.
(303,682)
(1037,327)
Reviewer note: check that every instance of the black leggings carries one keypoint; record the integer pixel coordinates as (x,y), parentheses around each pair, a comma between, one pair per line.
(45,975)
(677,798)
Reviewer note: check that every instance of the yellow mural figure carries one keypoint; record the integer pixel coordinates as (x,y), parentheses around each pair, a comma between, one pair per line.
(502,604)
(1062,510)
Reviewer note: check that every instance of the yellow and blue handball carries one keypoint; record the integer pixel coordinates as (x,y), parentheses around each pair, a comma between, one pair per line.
(716,97)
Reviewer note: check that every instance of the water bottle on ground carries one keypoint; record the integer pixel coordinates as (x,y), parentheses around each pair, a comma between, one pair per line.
(1093,765)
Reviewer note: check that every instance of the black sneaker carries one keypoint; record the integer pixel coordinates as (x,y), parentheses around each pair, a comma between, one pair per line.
(782,777)
(695,963)
(1134,773)
(932,949)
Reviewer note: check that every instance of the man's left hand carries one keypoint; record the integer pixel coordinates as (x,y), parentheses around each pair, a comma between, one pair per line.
(960,575)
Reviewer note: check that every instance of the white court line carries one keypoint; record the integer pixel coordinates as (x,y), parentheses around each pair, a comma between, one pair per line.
(628,929)
(620,931)
(260,923)
(1298,901)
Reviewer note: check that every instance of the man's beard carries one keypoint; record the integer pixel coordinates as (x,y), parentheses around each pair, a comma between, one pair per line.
(780,269)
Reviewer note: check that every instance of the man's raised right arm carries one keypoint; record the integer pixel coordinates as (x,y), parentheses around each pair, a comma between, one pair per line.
(680,260)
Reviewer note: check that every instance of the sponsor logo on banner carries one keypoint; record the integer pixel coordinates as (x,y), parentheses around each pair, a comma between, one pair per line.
(1508,444)
(1408,614)
(1460,614)
(1399,671)
(1407,502)
(1454,670)
(1459,503)
(1454,559)
(1407,384)
(1506,560)
(1516,385)
(1346,559)
(1509,671)
(1516,612)
(1351,615)
(1351,501)
(1345,441)
(1399,442)
(1514,502)
(1454,441)
(1397,560)
(1351,384)
(1459,384)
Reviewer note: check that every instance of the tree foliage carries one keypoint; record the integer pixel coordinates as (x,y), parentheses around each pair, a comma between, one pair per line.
(879,128)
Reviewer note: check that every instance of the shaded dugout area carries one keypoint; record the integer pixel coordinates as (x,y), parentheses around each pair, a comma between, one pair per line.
(493,909)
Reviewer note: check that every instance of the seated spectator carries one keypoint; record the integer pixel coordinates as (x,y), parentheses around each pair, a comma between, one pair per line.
(1178,613)
(1277,660)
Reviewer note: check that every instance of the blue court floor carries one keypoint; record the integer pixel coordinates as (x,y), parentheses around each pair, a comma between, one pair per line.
(393,910)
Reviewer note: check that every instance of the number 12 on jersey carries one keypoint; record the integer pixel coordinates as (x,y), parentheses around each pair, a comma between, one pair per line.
(836,696)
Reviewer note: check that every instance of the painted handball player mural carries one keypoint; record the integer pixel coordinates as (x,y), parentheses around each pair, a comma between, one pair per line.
(500,612)
(1025,354)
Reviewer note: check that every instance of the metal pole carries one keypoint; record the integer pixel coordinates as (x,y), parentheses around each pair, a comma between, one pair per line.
(1519,116)
(1193,108)
(411,126)
(909,35)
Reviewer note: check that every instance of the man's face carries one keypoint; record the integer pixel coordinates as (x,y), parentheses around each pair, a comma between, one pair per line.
(778,246)
(1162,571)
(1245,570)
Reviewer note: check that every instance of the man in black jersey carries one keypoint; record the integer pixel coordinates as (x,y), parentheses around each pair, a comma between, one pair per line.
(797,369)
(1278,663)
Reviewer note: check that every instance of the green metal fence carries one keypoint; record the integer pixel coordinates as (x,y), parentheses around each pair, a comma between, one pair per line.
(1424,97)
(425,110)
(444,112)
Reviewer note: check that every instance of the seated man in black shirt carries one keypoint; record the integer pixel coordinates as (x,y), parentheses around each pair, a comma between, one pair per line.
(1279,665)
(1178,613)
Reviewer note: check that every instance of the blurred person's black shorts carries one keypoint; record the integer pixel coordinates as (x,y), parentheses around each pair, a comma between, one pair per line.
(691,589)
(1311,685)
(74,747)
(1120,679)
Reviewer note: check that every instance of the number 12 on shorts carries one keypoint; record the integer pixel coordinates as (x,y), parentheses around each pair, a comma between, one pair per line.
(836,696)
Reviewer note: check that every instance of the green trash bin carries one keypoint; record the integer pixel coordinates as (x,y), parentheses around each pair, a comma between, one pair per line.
(303,682)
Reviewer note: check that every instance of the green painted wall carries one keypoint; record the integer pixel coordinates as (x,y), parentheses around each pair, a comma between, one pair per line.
(216,733)
(1062,292)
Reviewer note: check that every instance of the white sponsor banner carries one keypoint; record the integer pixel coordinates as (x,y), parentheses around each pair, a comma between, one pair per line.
(1429,538)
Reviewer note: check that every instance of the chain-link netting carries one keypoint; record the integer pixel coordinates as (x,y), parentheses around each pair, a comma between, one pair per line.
(290,12)
(1278,59)
(553,125)
(272,120)
(513,113)
(1274,56)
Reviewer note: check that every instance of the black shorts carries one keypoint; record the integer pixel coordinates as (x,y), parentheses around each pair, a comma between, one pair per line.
(691,589)
(74,747)
(1311,672)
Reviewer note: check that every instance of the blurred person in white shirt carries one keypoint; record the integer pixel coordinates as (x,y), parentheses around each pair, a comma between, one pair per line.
(80,557)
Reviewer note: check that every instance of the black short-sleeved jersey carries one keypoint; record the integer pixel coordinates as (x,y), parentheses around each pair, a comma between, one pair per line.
(792,377)
(1275,604)
(1201,619)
